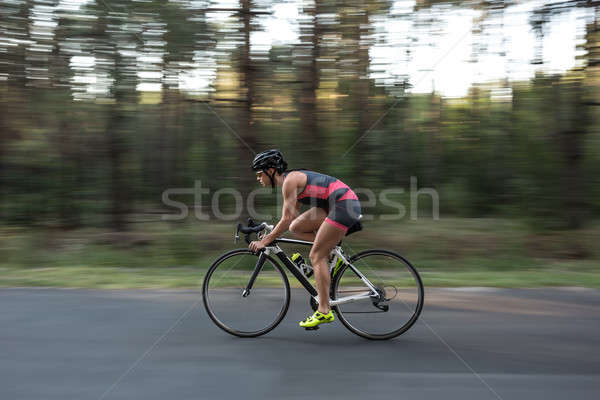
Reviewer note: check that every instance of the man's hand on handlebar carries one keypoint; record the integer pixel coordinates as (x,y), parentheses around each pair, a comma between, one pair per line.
(257,245)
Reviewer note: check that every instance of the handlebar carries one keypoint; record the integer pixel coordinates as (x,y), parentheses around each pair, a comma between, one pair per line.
(250,229)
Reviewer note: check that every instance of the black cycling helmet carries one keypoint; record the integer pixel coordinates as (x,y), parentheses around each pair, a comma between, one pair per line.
(269,159)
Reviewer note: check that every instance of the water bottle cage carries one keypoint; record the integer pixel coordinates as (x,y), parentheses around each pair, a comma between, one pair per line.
(307,270)
(302,266)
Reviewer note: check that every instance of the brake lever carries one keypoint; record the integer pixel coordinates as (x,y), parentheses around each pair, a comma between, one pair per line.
(236,237)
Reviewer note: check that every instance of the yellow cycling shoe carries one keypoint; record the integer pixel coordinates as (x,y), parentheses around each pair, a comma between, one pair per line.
(313,321)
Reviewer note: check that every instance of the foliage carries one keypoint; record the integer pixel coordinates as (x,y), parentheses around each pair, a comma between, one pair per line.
(79,155)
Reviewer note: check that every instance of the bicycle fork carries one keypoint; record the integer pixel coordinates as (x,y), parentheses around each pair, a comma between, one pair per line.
(257,268)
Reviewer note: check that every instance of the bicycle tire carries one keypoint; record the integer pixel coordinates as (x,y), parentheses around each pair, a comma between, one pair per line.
(209,293)
(418,289)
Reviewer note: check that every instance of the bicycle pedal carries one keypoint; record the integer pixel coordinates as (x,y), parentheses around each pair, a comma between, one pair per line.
(314,328)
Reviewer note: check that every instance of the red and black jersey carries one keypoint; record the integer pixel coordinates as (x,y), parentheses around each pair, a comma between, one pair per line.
(323,190)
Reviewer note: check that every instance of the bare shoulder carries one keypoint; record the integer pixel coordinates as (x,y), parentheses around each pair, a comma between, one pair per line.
(296,176)
(294,180)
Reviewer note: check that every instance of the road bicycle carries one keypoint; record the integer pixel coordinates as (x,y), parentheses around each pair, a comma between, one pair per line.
(376,294)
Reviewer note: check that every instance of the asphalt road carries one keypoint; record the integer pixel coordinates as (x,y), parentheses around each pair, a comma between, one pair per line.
(469,344)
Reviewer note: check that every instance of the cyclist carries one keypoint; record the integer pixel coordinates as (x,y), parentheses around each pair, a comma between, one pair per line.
(331,201)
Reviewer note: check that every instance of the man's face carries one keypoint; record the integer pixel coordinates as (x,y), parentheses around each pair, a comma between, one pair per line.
(263,178)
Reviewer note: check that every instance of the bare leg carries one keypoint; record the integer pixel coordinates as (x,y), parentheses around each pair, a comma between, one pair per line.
(327,238)
(305,226)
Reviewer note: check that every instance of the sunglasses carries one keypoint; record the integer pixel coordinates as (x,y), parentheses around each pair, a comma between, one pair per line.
(258,173)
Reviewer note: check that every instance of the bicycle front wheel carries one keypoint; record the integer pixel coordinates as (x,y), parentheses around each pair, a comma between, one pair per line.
(399,298)
(245,316)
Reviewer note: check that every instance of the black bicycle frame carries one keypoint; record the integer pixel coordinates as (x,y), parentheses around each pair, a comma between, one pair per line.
(289,264)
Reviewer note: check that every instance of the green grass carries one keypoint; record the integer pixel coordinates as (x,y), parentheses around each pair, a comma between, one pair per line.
(448,252)
(102,277)
(186,277)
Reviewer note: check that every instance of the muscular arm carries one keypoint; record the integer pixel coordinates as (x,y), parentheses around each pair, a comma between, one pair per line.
(290,207)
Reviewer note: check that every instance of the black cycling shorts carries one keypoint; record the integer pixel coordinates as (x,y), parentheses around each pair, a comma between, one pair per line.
(344,214)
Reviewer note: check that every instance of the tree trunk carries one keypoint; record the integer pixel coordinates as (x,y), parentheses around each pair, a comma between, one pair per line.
(118,195)
(362,164)
(246,122)
(309,80)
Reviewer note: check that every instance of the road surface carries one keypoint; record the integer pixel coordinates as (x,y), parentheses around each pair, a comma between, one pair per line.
(159,344)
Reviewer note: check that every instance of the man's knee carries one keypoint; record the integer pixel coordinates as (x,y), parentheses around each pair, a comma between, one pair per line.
(295,227)
(316,256)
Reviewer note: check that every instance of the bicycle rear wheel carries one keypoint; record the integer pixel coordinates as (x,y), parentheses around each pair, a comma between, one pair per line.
(400,299)
(253,315)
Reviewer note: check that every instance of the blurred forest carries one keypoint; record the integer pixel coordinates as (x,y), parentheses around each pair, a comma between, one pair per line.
(98,116)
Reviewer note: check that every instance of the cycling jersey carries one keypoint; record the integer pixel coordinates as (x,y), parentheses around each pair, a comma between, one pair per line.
(332,195)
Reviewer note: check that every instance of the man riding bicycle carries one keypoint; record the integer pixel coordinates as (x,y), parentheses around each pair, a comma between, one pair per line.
(329,199)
